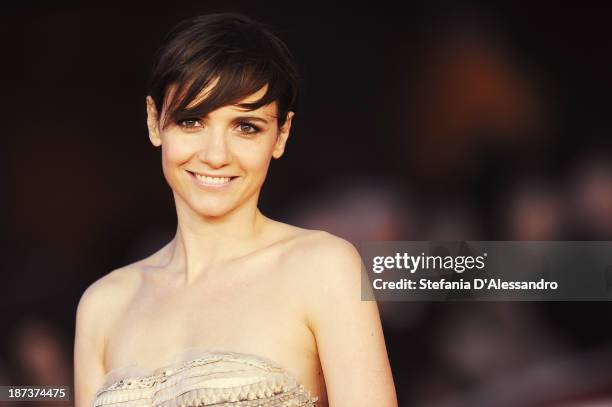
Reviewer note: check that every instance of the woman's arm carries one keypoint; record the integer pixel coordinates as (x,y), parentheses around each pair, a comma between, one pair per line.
(347,330)
(88,347)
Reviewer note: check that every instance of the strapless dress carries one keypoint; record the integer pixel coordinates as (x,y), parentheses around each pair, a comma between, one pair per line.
(205,378)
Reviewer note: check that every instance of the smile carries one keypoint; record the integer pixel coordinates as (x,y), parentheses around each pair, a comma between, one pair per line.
(210,181)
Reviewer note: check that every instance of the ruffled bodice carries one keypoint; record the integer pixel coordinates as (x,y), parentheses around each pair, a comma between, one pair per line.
(205,378)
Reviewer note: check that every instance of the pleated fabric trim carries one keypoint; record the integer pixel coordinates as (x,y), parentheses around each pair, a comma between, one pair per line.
(205,378)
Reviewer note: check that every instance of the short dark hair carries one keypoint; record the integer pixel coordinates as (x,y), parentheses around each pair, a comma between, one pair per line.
(244,55)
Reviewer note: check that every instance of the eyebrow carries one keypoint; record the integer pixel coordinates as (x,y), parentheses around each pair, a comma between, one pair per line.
(254,118)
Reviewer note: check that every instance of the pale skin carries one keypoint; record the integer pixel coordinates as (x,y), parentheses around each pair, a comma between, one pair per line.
(230,270)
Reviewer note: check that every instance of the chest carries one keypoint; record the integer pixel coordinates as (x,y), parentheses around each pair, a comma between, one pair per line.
(251,315)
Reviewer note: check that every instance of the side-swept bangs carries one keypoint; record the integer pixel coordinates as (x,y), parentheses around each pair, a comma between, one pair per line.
(229,57)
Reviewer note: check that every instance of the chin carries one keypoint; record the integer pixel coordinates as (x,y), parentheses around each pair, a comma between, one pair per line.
(211,210)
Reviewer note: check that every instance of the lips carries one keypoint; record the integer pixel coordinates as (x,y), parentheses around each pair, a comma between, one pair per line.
(214,181)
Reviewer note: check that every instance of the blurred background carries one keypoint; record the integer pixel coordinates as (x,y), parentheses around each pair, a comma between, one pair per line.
(440,121)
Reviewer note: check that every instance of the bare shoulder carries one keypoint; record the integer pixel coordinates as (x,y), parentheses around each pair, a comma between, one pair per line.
(99,306)
(302,244)
(347,330)
(109,287)
(328,251)
(319,257)
(106,298)
(118,284)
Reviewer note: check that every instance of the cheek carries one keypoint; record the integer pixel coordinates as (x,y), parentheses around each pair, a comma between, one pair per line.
(175,152)
(254,157)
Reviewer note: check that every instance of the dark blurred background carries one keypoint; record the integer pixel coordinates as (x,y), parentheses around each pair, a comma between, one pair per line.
(438,121)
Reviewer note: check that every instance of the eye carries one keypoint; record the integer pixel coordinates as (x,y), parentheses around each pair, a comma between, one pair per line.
(248,128)
(190,123)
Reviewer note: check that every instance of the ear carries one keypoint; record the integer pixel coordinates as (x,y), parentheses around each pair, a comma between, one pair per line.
(283,135)
(153,122)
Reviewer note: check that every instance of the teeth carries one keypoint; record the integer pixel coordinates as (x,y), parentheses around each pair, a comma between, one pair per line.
(213,180)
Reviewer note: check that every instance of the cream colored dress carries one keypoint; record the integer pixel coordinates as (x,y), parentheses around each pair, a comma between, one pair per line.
(205,378)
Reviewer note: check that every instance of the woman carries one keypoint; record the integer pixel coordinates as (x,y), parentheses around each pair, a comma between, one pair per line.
(237,309)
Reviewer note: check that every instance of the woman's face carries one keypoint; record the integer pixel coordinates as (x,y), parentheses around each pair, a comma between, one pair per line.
(217,163)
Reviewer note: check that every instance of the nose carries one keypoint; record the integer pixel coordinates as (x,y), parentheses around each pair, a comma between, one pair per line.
(214,150)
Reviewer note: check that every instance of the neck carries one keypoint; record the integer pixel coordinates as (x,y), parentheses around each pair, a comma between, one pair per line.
(201,242)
